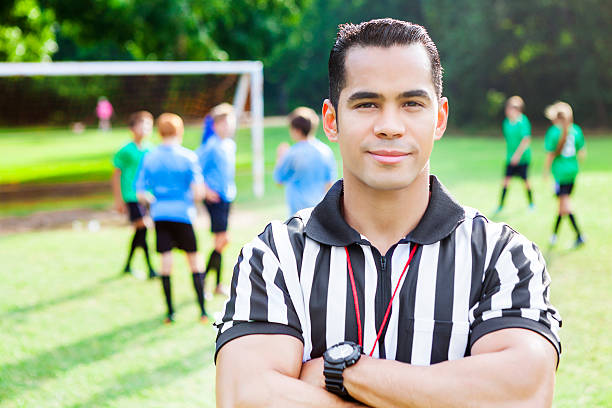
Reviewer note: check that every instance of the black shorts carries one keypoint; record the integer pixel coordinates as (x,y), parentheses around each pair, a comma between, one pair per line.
(563,189)
(219,213)
(136,211)
(519,170)
(172,234)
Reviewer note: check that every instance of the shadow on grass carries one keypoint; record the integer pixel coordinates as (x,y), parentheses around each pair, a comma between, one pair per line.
(17,311)
(553,254)
(134,382)
(29,373)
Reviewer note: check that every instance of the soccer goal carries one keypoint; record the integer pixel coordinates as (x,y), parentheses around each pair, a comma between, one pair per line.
(63,93)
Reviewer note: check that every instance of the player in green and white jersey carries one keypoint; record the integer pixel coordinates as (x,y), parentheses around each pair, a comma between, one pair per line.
(564,143)
(517,132)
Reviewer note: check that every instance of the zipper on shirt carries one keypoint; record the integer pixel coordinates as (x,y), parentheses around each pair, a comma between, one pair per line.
(382,297)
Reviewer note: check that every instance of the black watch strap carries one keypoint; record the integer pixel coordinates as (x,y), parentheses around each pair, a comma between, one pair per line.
(333,379)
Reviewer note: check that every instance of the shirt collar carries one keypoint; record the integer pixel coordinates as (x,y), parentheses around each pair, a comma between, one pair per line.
(443,214)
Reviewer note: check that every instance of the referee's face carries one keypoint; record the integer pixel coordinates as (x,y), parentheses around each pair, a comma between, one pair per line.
(388,116)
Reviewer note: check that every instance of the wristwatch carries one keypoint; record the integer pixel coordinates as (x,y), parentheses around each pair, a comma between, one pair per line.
(335,360)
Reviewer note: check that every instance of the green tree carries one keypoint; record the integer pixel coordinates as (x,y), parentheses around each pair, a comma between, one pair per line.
(26,31)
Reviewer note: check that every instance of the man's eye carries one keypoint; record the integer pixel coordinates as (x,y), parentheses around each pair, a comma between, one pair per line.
(366,105)
(412,104)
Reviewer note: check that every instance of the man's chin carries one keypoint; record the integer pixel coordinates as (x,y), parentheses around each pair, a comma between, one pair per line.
(390,184)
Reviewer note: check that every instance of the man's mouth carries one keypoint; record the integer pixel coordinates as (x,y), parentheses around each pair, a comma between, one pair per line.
(388,156)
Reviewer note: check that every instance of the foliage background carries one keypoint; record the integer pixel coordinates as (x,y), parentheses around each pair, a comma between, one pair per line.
(543,50)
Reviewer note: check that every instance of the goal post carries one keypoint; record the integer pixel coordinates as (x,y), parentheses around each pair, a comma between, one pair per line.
(250,83)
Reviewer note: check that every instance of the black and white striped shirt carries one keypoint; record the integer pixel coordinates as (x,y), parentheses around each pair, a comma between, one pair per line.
(469,277)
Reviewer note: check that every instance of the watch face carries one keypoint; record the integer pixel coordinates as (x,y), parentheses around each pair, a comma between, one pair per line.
(341,351)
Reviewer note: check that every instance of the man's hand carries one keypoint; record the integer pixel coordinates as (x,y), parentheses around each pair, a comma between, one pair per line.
(514,161)
(312,372)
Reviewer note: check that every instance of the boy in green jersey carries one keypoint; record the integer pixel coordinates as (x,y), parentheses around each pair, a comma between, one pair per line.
(127,161)
(517,132)
(564,142)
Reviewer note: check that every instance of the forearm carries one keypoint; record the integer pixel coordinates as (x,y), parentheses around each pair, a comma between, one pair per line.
(273,389)
(116,184)
(518,153)
(549,159)
(495,379)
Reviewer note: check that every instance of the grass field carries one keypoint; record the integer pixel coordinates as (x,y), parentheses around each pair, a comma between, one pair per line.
(75,334)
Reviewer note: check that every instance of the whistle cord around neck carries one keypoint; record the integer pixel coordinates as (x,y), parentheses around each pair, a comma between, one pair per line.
(356,299)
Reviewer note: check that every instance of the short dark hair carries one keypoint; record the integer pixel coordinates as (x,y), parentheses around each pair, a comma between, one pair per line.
(139,116)
(384,32)
(304,119)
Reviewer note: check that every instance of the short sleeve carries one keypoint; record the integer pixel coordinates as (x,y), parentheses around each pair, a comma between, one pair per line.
(579,138)
(515,294)
(265,292)
(140,182)
(284,168)
(119,159)
(195,170)
(526,128)
(551,139)
(332,169)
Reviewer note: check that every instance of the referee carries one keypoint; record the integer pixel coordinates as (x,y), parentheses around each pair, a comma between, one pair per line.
(388,292)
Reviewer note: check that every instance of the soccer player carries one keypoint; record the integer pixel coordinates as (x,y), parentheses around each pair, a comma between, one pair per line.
(308,167)
(388,293)
(126,162)
(517,132)
(170,179)
(564,143)
(217,156)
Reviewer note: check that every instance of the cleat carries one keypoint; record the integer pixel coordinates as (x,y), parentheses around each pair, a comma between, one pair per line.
(553,239)
(531,208)
(204,319)
(169,319)
(153,274)
(579,242)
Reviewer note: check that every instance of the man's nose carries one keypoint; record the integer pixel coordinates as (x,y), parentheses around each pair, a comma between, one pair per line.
(389,124)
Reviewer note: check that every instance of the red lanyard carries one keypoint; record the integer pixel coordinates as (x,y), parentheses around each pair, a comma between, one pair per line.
(356,300)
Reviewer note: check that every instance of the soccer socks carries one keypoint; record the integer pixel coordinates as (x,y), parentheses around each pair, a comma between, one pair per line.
(557,223)
(529,196)
(503,197)
(573,220)
(143,243)
(138,240)
(168,294)
(214,262)
(198,286)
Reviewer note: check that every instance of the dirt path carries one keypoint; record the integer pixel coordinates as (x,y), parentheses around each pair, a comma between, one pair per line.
(94,219)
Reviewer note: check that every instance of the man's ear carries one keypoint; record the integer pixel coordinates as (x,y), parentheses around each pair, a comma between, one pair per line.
(330,125)
(442,120)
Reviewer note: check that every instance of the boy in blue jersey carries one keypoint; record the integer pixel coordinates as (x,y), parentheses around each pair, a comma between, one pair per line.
(308,167)
(170,179)
(127,161)
(217,156)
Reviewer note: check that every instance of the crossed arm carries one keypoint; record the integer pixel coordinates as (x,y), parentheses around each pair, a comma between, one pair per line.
(509,367)
(518,153)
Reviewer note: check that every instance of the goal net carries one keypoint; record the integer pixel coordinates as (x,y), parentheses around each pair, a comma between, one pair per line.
(68,93)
